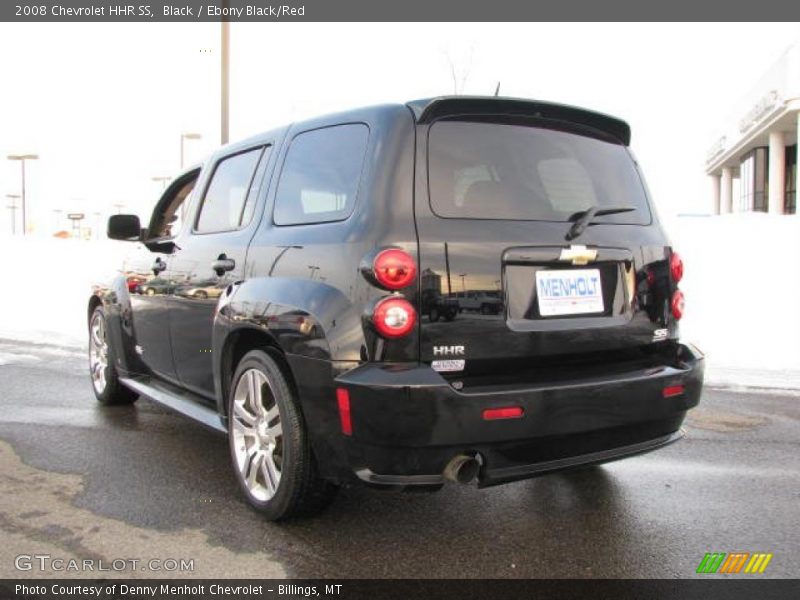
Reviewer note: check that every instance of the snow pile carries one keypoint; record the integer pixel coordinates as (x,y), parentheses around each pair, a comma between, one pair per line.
(742,288)
(48,283)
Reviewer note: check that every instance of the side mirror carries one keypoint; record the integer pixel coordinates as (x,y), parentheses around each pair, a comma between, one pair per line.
(124,227)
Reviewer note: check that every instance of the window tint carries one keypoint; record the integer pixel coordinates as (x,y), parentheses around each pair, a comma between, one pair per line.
(321,174)
(498,171)
(223,207)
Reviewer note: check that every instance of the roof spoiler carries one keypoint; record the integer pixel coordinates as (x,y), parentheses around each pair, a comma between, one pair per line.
(427,111)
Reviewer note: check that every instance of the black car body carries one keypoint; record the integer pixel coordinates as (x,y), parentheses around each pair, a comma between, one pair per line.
(541,201)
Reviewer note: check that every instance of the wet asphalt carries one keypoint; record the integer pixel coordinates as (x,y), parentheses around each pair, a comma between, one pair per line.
(79,479)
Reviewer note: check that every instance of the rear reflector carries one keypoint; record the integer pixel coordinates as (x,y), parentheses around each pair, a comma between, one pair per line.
(508,412)
(343,400)
(673,390)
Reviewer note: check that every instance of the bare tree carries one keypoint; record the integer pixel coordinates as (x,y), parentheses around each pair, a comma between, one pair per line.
(460,72)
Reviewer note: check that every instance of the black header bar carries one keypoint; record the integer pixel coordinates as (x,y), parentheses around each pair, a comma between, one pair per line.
(401,11)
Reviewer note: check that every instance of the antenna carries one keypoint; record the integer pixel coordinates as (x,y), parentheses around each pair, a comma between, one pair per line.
(497,89)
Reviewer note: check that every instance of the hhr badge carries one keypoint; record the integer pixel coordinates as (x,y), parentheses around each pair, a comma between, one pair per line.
(578,255)
(448,350)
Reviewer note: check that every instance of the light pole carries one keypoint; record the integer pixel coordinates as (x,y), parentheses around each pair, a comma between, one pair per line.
(119,207)
(225,43)
(22,158)
(463,286)
(13,208)
(187,136)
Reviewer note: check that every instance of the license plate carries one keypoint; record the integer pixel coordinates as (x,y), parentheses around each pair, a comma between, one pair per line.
(573,292)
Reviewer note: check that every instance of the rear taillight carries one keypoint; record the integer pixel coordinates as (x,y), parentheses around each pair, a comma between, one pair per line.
(676,267)
(394,317)
(677,304)
(394,269)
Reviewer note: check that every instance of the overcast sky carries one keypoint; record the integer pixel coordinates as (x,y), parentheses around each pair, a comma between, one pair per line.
(104,104)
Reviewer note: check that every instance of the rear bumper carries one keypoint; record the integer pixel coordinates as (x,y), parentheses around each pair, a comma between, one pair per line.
(408,422)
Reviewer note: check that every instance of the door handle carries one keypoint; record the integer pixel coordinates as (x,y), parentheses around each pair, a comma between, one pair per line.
(223,264)
(158,266)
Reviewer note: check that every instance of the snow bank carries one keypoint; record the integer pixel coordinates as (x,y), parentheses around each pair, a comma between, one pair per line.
(48,282)
(742,287)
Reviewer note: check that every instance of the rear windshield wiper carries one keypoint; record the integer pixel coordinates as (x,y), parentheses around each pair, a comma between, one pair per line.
(584,218)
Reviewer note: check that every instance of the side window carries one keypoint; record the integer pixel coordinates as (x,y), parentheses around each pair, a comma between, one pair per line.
(321,175)
(226,204)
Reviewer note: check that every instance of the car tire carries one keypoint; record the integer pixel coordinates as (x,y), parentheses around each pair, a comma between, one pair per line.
(269,444)
(486,309)
(450,315)
(433,315)
(102,360)
(201,295)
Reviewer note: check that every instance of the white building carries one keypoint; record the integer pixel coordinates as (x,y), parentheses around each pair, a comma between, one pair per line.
(753,163)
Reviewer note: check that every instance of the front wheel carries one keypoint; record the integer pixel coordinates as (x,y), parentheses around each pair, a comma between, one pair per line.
(105,381)
(269,444)
(433,315)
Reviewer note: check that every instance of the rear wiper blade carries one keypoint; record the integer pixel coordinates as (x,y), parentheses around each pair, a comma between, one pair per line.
(584,218)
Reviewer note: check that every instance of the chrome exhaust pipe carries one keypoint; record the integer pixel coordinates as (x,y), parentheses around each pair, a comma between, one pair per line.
(462,469)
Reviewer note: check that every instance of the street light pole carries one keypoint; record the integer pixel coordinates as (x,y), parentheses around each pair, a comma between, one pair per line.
(22,158)
(13,208)
(224,77)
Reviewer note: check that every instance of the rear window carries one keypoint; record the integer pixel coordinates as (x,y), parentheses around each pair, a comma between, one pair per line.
(480,170)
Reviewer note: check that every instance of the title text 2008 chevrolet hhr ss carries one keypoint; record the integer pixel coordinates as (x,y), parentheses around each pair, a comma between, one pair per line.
(458,289)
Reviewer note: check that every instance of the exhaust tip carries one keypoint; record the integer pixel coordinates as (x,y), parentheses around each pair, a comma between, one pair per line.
(462,469)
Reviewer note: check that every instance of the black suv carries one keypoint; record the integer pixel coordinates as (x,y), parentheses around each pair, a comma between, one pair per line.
(286,295)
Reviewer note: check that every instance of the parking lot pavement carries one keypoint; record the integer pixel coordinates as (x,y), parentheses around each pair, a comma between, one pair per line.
(78,480)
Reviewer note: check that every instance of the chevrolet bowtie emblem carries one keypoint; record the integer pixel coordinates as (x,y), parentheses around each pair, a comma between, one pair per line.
(578,255)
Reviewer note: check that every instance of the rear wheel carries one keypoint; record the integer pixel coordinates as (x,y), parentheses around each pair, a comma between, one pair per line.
(269,444)
(105,381)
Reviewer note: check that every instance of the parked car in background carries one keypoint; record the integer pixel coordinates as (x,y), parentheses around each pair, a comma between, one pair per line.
(437,306)
(322,237)
(486,303)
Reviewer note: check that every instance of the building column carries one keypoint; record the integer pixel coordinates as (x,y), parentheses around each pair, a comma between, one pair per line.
(715,193)
(797,166)
(727,190)
(777,172)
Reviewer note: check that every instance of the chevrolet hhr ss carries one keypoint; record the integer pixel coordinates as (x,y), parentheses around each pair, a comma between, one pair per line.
(276,295)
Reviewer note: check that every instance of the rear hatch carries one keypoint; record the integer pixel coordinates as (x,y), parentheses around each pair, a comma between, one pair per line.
(551,217)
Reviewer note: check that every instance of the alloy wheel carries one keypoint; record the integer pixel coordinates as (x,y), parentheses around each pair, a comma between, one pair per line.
(257,435)
(98,352)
